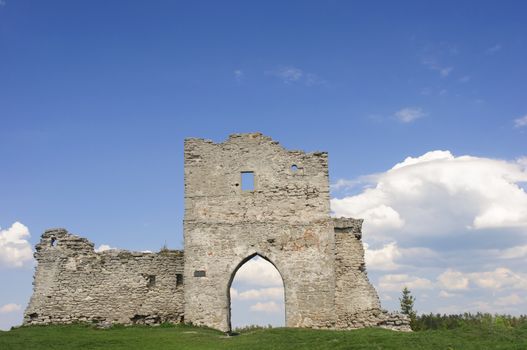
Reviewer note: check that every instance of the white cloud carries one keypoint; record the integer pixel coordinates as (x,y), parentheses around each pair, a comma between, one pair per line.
(8,308)
(274,293)
(437,193)
(15,249)
(269,307)
(2,3)
(520,122)
(496,279)
(397,282)
(514,252)
(259,272)
(105,247)
(512,299)
(500,278)
(445,294)
(409,114)
(453,280)
(383,258)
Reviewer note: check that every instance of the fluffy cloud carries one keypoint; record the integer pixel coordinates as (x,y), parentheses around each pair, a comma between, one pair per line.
(453,280)
(514,252)
(456,224)
(259,272)
(8,308)
(409,114)
(383,258)
(513,299)
(269,307)
(441,191)
(103,248)
(397,282)
(499,278)
(15,249)
(275,293)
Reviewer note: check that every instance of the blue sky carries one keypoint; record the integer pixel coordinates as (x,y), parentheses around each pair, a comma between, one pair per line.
(96,98)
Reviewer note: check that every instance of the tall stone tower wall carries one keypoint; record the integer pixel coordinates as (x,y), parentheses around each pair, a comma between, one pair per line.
(285,219)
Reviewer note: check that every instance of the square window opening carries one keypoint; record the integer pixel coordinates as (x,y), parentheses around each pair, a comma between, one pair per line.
(247,181)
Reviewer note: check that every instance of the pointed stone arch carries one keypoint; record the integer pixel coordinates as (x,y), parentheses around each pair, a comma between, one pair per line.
(233,274)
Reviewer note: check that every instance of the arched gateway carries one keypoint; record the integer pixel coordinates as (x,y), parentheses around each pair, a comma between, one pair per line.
(245,196)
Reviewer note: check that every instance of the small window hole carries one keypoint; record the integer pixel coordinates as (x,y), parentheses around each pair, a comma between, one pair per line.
(53,242)
(294,168)
(247,181)
(179,279)
(150,281)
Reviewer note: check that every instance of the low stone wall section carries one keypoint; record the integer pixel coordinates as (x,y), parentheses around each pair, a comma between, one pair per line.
(73,283)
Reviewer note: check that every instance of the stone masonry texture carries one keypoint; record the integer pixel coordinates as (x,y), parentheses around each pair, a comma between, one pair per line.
(284,217)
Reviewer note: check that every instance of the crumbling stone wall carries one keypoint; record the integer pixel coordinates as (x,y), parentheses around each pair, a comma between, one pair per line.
(74,283)
(284,218)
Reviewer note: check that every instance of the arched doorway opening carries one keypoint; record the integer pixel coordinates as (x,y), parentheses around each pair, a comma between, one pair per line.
(256,294)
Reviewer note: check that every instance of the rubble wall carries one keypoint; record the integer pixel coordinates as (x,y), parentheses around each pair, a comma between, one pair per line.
(73,283)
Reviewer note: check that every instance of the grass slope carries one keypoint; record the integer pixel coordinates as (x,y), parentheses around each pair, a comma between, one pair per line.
(186,337)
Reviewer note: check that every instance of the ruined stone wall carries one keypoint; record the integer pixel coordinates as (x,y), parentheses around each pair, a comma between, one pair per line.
(357,304)
(285,219)
(73,283)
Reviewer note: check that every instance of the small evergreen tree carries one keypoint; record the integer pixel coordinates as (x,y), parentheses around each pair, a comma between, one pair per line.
(407,306)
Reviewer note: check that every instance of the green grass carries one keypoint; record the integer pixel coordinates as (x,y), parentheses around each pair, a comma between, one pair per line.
(187,337)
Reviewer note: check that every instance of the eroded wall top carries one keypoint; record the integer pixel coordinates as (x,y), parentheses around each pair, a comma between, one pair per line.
(287,185)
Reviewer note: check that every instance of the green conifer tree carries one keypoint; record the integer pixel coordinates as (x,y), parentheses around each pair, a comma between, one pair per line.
(407,306)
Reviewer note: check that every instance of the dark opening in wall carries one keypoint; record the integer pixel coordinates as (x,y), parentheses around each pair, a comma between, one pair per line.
(33,316)
(247,181)
(199,273)
(53,242)
(150,281)
(294,168)
(179,279)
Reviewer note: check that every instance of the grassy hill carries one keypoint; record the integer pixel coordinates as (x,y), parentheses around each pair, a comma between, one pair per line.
(187,337)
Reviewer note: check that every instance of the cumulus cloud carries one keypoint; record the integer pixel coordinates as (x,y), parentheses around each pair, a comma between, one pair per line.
(274,293)
(453,280)
(15,249)
(499,278)
(269,307)
(520,122)
(409,114)
(105,247)
(437,193)
(512,299)
(8,308)
(259,272)
(456,224)
(514,252)
(445,294)
(383,258)
(396,282)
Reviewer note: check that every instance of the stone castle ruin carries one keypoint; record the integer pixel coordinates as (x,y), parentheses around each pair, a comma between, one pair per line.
(244,197)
